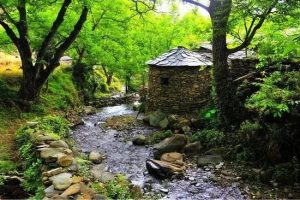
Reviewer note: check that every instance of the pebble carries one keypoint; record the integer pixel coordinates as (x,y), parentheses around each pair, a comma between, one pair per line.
(164,190)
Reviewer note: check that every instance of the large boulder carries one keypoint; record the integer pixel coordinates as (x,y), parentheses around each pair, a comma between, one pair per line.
(171,144)
(163,169)
(139,140)
(61,181)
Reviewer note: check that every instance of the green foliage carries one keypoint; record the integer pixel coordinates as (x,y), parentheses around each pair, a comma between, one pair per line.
(208,137)
(118,188)
(210,116)
(248,128)
(7,167)
(61,93)
(54,124)
(158,136)
(2,179)
(30,161)
(278,94)
(83,166)
(33,177)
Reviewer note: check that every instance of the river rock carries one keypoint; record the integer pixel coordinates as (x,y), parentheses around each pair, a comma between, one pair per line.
(73,189)
(61,181)
(171,144)
(89,110)
(59,144)
(139,140)
(192,148)
(64,160)
(209,159)
(44,138)
(164,123)
(95,157)
(50,191)
(100,174)
(53,172)
(162,169)
(174,158)
(48,153)
(77,179)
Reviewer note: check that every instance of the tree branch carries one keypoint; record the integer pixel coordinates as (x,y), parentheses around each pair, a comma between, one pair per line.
(56,24)
(68,41)
(253,29)
(197,4)
(8,16)
(10,33)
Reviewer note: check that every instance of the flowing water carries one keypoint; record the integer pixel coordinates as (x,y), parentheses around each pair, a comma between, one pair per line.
(123,157)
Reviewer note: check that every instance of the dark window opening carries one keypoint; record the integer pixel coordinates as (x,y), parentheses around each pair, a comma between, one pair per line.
(164,81)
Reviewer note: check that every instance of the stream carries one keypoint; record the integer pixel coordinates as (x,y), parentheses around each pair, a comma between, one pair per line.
(130,160)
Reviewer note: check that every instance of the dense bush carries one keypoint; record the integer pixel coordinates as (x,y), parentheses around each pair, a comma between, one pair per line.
(278,94)
(209,137)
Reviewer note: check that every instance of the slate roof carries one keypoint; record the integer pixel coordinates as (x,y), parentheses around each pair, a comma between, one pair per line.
(179,57)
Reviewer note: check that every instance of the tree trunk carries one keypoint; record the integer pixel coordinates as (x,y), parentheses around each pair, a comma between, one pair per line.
(230,108)
(30,87)
(109,79)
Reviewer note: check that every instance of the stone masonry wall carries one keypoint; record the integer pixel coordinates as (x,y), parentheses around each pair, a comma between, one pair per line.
(187,91)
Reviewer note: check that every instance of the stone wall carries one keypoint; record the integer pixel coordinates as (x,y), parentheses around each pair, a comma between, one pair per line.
(187,90)
(241,67)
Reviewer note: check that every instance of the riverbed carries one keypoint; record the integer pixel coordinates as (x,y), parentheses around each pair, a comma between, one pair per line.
(124,157)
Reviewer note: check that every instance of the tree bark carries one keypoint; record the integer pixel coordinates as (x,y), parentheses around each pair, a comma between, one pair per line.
(230,108)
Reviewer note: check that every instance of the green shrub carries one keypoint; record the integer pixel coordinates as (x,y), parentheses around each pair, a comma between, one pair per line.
(210,116)
(208,137)
(158,136)
(278,94)
(119,188)
(55,124)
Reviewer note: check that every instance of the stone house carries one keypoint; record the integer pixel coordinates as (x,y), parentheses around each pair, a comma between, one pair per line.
(180,80)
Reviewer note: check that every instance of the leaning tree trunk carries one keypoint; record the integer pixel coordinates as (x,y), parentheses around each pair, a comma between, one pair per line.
(230,108)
